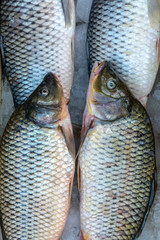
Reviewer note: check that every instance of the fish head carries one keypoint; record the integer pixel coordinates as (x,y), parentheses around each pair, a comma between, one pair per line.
(46,105)
(108,97)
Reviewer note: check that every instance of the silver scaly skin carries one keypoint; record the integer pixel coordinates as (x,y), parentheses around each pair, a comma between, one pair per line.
(127,34)
(36,172)
(38,37)
(116,166)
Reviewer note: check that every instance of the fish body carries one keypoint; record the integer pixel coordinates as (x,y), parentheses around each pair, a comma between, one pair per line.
(38,37)
(127,34)
(37,167)
(116,162)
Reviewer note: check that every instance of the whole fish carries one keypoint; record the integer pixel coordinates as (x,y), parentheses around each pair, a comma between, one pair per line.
(37,166)
(127,33)
(38,37)
(116,161)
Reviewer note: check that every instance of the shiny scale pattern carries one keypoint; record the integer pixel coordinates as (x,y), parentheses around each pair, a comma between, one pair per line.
(36,173)
(117,167)
(120,32)
(37,40)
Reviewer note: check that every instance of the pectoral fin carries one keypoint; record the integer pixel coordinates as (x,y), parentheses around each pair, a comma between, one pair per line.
(88,118)
(81,236)
(78,175)
(67,131)
(158,50)
(70,190)
(69,13)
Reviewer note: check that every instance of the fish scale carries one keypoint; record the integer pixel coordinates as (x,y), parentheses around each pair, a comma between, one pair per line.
(37,40)
(35,176)
(116,176)
(126,34)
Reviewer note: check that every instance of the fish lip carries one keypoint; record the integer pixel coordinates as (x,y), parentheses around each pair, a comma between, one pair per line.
(47,107)
(100,67)
(100,98)
(50,107)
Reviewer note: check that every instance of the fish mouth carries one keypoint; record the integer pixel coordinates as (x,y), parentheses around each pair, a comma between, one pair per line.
(102,99)
(100,67)
(54,107)
(50,107)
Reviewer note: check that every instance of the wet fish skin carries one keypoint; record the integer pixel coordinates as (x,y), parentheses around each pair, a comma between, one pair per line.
(116,162)
(37,166)
(38,37)
(127,34)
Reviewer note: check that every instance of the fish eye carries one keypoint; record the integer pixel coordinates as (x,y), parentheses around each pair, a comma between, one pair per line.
(44,92)
(111,84)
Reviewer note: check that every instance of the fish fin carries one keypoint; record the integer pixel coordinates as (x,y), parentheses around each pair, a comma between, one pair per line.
(154,14)
(81,236)
(70,189)
(3,72)
(158,50)
(2,228)
(79,176)
(88,121)
(68,7)
(152,196)
(72,50)
(88,118)
(66,128)
(69,13)
(2,67)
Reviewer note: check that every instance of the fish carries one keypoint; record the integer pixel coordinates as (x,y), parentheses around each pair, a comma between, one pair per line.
(116,163)
(127,34)
(37,164)
(37,37)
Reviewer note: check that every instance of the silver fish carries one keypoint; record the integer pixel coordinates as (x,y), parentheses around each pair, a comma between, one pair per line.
(38,37)
(127,34)
(37,155)
(116,161)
